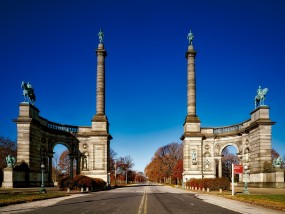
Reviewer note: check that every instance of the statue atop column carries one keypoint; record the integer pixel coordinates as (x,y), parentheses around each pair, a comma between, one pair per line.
(28,92)
(260,97)
(101,36)
(190,37)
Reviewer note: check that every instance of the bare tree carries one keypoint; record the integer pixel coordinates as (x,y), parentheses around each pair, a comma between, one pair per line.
(64,163)
(7,147)
(227,160)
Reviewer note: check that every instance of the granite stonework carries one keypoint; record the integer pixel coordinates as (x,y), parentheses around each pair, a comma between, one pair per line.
(88,146)
(251,138)
(8,178)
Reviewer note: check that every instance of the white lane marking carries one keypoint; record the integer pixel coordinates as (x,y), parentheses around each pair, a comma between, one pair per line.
(179,198)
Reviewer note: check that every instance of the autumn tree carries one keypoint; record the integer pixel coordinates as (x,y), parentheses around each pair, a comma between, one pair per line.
(227,160)
(162,164)
(140,177)
(56,172)
(113,156)
(124,164)
(275,154)
(7,147)
(64,163)
(177,171)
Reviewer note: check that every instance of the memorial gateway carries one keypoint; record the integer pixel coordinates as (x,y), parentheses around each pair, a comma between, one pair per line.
(89,146)
(202,147)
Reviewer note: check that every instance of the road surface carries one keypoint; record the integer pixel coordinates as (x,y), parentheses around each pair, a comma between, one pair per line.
(138,199)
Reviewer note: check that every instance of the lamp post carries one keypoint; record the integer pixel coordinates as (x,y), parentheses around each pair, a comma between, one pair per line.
(43,186)
(245,179)
(126,176)
(115,172)
(108,180)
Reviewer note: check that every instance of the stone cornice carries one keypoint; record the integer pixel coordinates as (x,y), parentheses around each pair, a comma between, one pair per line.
(23,120)
(191,134)
(258,108)
(191,119)
(95,134)
(100,118)
(190,52)
(101,52)
(266,122)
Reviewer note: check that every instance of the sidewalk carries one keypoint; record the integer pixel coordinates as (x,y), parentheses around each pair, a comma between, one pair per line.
(239,206)
(26,190)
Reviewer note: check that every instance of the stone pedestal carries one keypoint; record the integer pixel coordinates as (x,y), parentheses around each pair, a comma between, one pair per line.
(279,175)
(8,178)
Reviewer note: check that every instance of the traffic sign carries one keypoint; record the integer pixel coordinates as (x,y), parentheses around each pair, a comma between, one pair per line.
(238,169)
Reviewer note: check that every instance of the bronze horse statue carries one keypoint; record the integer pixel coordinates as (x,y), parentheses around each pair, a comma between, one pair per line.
(260,97)
(28,93)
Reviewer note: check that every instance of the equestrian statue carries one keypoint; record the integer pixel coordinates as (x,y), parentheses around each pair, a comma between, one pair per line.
(28,93)
(260,97)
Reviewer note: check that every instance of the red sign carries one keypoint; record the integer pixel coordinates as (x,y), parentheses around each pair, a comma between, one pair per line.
(238,169)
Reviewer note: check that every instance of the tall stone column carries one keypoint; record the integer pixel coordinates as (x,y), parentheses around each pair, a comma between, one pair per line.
(100,121)
(192,137)
(191,81)
(100,90)
(191,85)
(97,142)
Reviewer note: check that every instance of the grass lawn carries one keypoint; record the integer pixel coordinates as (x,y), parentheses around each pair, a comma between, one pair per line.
(274,201)
(8,198)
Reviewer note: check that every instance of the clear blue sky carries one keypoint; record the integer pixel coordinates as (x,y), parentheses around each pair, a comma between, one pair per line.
(240,45)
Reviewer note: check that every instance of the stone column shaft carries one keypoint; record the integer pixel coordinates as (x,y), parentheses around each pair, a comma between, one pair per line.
(71,167)
(50,168)
(100,89)
(191,81)
(220,168)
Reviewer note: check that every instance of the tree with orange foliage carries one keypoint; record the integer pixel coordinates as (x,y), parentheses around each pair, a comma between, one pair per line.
(162,164)
(177,171)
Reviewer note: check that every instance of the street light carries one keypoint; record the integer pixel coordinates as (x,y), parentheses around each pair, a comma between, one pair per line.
(245,179)
(43,186)
(115,172)
(109,180)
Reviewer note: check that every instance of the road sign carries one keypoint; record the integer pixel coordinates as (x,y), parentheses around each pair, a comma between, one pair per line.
(238,169)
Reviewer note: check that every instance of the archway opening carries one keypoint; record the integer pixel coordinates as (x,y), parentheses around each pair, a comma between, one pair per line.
(229,157)
(61,163)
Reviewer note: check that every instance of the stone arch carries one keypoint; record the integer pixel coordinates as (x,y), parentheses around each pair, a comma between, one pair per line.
(36,139)
(229,144)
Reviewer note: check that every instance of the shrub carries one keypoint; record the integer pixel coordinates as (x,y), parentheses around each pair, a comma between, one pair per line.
(211,183)
(81,181)
(63,181)
(100,183)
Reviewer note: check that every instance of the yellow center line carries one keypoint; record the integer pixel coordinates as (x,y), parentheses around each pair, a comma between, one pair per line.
(143,204)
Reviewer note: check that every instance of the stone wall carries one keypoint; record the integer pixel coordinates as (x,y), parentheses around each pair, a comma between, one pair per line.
(36,138)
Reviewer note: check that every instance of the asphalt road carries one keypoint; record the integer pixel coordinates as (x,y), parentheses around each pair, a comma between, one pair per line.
(139,199)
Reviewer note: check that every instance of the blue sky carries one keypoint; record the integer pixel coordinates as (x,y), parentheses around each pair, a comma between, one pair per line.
(240,45)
